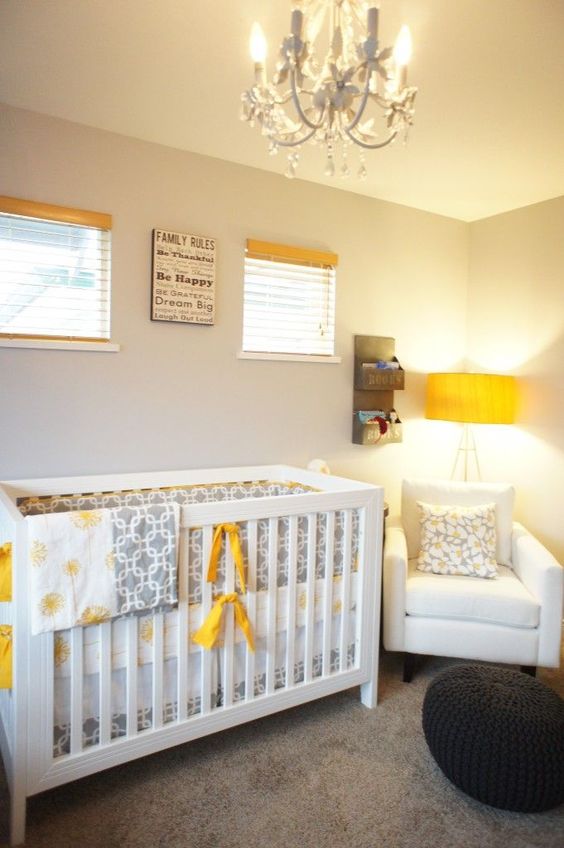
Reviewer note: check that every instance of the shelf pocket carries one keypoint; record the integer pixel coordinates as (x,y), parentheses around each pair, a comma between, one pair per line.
(382,427)
(372,375)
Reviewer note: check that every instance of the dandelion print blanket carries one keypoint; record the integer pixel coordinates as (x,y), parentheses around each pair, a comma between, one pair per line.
(92,565)
(72,577)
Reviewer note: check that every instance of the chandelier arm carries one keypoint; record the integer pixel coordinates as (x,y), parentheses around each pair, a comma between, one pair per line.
(383,102)
(277,99)
(281,143)
(370,146)
(361,107)
(303,117)
(281,99)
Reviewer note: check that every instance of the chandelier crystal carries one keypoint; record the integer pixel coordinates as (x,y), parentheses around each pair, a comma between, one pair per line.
(333,85)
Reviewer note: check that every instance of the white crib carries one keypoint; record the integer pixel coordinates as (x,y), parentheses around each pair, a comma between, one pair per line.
(94,697)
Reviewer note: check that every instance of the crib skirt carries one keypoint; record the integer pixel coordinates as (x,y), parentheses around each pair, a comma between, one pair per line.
(192,696)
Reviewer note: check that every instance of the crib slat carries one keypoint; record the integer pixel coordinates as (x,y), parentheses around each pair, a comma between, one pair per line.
(271,604)
(131,676)
(76,689)
(345,595)
(105,631)
(183,654)
(310,596)
(41,719)
(291,591)
(206,656)
(157,670)
(359,568)
(226,651)
(47,719)
(328,591)
(183,658)
(251,604)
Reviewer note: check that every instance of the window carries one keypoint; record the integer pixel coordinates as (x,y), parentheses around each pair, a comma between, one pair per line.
(54,272)
(289,301)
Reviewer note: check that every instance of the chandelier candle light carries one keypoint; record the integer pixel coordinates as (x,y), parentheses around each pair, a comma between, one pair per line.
(329,96)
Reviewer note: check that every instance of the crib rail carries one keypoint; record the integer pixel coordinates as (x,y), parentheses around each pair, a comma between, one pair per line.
(6,697)
(313,630)
(14,711)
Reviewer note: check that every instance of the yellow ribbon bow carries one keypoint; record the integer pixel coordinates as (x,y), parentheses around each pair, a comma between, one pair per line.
(5,656)
(6,572)
(232,531)
(208,633)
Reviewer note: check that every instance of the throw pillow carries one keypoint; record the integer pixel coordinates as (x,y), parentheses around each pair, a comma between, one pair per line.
(458,539)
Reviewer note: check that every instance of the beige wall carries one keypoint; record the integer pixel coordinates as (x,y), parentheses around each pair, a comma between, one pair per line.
(176,395)
(516,325)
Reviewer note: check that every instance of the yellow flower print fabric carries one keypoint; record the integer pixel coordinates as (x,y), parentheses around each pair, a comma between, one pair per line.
(6,571)
(71,583)
(458,540)
(196,617)
(6,657)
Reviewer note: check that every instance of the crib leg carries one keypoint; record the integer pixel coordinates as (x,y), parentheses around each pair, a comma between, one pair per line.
(369,694)
(17,819)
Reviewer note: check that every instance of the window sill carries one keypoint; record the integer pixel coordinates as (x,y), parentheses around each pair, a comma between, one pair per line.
(289,357)
(61,344)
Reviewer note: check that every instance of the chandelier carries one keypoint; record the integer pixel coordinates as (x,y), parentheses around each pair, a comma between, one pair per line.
(330,76)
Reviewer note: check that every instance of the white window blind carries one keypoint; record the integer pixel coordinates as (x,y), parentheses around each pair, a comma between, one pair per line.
(54,272)
(289,300)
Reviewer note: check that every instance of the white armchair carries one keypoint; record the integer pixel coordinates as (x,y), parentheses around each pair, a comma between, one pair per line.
(515,618)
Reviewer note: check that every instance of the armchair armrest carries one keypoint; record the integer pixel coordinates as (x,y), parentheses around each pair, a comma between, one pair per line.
(394,580)
(543,576)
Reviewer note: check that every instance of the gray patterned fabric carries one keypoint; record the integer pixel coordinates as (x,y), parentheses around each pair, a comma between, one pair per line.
(145,548)
(183,495)
(214,492)
(196,551)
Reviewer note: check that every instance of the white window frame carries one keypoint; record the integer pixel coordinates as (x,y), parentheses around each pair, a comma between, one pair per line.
(277,257)
(11,207)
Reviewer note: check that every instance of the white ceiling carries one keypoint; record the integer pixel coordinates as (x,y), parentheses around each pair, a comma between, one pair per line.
(489,123)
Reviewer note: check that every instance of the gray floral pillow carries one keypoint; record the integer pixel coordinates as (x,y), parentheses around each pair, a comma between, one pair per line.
(458,539)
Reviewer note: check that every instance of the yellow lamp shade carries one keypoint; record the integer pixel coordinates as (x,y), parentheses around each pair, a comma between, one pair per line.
(471,398)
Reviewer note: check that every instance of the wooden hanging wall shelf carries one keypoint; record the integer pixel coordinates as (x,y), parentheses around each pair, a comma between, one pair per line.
(377,374)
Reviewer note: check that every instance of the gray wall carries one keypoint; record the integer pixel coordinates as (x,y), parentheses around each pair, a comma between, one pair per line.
(176,395)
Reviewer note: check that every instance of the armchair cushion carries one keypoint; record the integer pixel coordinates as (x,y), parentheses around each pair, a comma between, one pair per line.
(449,493)
(458,540)
(503,601)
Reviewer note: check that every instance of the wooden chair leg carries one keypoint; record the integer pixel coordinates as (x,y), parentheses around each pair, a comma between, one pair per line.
(529,669)
(408,667)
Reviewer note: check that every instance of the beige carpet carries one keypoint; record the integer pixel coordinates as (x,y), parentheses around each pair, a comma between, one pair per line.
(326,775)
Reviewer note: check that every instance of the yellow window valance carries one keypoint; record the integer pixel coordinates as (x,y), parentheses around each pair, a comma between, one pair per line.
(49,212)
(289,253)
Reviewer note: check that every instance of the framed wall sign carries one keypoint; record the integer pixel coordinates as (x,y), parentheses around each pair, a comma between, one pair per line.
(183,278)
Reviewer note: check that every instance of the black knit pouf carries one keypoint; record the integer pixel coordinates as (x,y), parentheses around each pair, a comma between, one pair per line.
(498,735)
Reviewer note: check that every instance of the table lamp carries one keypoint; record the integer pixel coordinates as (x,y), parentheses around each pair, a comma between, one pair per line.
(470,399)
